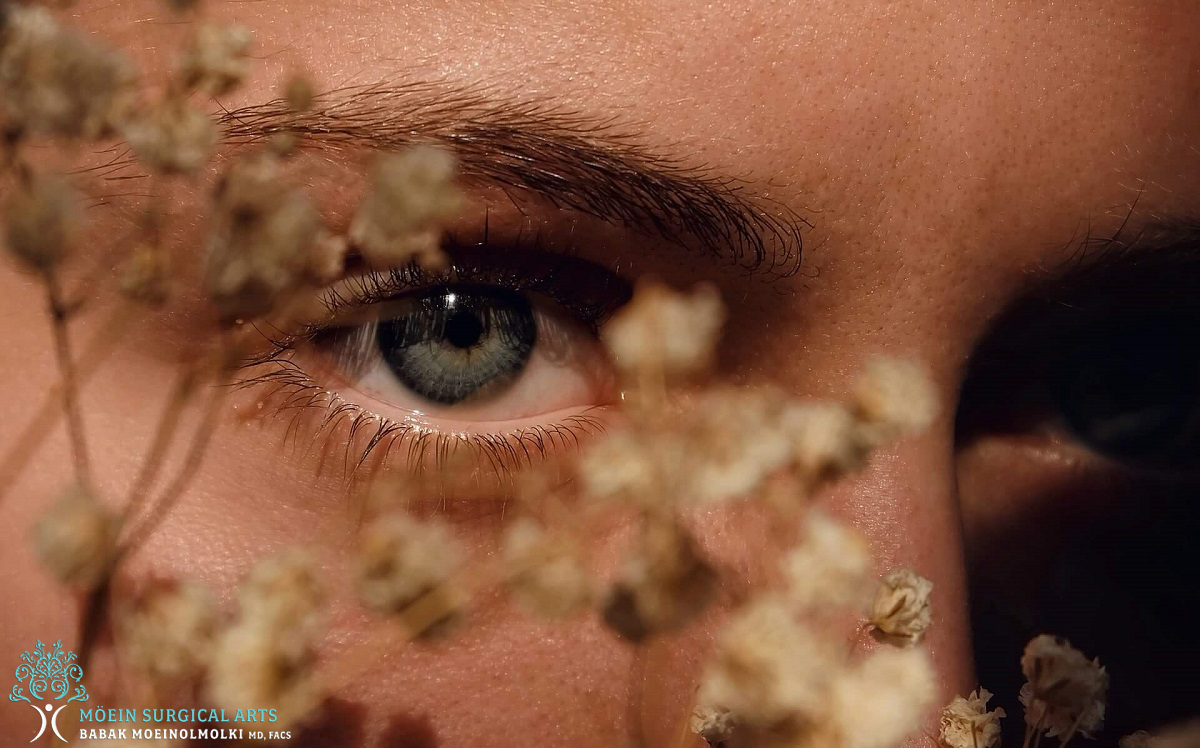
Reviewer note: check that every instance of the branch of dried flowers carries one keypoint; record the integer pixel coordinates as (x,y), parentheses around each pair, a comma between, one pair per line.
(164,433)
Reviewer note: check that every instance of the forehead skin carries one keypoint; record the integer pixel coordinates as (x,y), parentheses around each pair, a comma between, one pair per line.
(943,151)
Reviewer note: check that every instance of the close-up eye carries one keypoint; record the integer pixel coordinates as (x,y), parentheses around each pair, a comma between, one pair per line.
(497,351)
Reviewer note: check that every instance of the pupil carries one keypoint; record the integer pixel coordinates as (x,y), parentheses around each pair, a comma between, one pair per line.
(463,329)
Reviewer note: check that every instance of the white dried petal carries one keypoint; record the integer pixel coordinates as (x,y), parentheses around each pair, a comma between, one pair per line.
(401,560)
(264,242)
(168,631)
(732,445)
(967,723)
(285,587)
(547,576)
(664,584)
(1063,687)
(895,396)
(215,60)
(665,333)
(57,83)
(772,673)
(829,567)
(77,539)
(172,138)
(400,220)
(40,221)
(825,438)
(902,608)
(883,700)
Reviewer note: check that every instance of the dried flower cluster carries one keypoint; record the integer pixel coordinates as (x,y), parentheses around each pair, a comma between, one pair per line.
(902,609)
(168,631)
(967,722)
(1064,691)
(77,539)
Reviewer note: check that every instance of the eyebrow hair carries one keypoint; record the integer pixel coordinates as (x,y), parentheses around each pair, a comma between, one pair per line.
(568,159)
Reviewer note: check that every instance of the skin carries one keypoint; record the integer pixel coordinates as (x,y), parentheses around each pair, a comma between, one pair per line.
(944,152)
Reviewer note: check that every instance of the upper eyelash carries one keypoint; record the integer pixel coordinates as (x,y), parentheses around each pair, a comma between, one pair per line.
(295,392)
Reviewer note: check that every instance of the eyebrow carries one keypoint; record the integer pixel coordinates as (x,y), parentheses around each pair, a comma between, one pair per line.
(573,161)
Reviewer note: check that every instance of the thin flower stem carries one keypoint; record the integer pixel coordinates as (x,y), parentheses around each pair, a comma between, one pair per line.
(1071,733)
(163,435)
(39,427)
(191,464)
(70,384)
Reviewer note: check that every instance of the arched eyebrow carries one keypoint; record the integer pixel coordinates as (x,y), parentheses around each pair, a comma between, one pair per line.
(568,159)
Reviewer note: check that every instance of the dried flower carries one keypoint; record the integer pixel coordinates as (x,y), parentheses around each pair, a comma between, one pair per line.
(77,539)
(168,630)
(732,443)
(825,438)
(40,220)
(146,276)
(895,397)
(716,725)
(771,675)
(1064,692)
(902,609)
(1183,735)
(214,61)
(401,560)
(298,92)
(268,656)
(57,83)
(967,723)
(173,137)
(264,242)
(829,567)
(546,574)
(883,700)
(665,333)
(664,584)
(400,219)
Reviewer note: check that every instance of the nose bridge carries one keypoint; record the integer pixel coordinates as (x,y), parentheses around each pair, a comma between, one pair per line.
(905,502)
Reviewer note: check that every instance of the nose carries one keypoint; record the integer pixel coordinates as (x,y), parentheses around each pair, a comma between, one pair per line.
(904,502)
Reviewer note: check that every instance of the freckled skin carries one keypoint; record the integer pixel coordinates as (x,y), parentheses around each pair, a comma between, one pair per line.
(942,149)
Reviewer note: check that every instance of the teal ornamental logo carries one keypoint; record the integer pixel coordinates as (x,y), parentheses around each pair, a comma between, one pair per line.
(50,676)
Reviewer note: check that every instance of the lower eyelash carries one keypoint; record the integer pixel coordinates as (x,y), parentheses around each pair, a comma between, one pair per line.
(287,390)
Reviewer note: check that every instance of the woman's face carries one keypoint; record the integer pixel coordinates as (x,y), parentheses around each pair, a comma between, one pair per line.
(941,162)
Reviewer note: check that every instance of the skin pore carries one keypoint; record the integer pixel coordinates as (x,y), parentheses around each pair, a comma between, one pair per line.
(940,158)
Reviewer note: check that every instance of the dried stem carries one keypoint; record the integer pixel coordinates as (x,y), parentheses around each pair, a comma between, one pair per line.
(70,384)
(163,435)
(40,426)
(191,464)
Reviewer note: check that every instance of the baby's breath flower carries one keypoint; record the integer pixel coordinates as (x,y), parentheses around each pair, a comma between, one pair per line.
(771,676)
(547,575)
(825,438)
(664,584)
(268,656)
(173,137)
(77,539)
(40,220)
(883,700)
(1064,691)
(895,397)
(716,725)
(830,566)
(967,723)
(146,275)
(402,560)
(1184,735)
(55,82)
(214,61)
(412,194)
(733,443)
(662,332)
(168,630)
(622,464)
(298,92)
(902,609)
(264,241)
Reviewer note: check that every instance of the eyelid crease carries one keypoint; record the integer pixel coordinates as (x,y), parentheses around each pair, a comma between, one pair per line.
(571,160)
